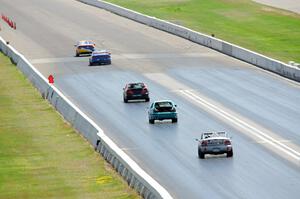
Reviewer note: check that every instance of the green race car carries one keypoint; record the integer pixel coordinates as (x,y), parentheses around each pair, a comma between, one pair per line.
(162,110)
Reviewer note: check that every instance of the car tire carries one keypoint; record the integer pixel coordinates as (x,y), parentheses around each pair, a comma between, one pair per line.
(151,121)
(76,55)
(125,100)
(230,154)
(174,120)
(201,155)
(147,99)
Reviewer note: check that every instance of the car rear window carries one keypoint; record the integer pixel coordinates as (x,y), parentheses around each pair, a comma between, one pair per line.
(164,107)
(163,104)
(136,86)
(86,47)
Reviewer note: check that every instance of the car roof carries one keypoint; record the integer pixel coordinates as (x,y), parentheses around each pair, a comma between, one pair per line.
(85,42)
(157,101)
(134,83)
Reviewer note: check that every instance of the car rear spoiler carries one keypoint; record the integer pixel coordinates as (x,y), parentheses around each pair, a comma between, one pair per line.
(214,134)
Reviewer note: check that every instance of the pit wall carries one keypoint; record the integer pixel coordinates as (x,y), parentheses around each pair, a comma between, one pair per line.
(135,176)
(280,68)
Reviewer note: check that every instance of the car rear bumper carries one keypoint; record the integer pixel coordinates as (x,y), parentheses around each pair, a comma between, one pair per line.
(135,97)
(163,116)
(100,62)
(85,51)
(215,149)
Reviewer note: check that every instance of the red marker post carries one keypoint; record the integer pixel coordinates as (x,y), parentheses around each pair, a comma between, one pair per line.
(51,79)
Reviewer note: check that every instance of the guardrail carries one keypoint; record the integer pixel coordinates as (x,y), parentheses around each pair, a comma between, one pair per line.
(135,176)
(227,48)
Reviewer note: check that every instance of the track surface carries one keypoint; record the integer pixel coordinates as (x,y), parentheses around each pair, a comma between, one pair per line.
(291,5)
(213,92)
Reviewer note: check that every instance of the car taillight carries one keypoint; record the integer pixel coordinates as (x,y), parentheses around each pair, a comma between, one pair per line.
(129,92)
(145,90)
(227,142)
(204,143)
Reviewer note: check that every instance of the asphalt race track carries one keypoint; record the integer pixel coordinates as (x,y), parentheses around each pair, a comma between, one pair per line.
(213,92)
(291,5)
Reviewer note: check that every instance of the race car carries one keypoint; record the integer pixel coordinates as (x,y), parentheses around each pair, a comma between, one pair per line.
(135,91)
(214,143)
(100,57)
(162,110)
(84,47)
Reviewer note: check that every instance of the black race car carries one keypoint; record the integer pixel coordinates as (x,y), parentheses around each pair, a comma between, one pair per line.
(135,91)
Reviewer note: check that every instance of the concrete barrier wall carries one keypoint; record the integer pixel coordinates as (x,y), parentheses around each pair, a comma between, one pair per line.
(229,49)
(136,177)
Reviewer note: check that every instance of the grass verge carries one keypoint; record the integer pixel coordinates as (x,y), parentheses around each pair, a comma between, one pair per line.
(41,156)
(269,31)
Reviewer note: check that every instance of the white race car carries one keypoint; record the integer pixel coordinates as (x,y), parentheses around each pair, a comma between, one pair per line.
(214,143)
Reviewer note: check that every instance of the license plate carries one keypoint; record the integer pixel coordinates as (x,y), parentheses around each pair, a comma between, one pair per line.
(215,150)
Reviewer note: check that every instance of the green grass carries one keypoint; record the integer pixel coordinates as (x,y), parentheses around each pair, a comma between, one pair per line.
(270,31)
(41,156)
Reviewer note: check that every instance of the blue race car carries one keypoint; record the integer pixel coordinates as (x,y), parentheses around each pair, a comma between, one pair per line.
(100,57)
(162,110)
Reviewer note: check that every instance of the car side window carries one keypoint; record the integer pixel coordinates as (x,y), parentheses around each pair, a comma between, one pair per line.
(152,105)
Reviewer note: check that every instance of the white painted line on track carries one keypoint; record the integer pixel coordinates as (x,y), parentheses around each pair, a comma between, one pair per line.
(130,149)
(267,142)
(242,124)
(58,60)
